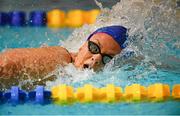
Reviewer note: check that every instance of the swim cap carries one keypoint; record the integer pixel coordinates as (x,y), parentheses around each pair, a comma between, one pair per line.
(118,33)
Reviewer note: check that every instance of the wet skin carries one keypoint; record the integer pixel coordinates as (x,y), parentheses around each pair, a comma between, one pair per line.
(41,61)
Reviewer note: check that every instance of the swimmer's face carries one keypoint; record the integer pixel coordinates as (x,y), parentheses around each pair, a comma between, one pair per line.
(96,52)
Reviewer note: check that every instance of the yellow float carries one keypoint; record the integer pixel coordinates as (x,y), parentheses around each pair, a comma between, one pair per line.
(88,93)
(135,92)
(158,92)
(63,94)
(56,18)
(110,93)
(90,16)
(176,91)
(75,18)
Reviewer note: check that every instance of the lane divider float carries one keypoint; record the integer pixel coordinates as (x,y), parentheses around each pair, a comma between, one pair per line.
(15,95)
(64,94)
(55,18)
(176,91)
(17,18)
(3,19)
(37,18)
(40,95)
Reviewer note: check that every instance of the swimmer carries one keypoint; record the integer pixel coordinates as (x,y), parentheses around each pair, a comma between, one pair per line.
(101,46)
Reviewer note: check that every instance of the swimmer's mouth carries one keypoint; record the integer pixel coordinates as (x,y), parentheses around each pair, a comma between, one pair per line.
(86,66)
(96,69)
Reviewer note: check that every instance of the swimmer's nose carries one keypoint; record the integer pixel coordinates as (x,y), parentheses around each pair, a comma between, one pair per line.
(96,59)
(92,62)
(86,66)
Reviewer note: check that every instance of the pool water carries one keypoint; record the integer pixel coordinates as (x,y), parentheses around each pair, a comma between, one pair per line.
(165,108)
(16,37)
(26,37)
(158,41)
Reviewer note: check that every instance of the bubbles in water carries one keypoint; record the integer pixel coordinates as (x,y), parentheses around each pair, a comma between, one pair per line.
(69,75)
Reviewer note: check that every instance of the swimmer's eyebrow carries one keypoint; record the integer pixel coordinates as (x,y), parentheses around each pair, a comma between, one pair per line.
(99,43)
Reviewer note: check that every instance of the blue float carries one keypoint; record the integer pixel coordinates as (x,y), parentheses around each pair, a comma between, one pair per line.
(3,18)
(15,95)
(40,95)
(17,18)
(37,18)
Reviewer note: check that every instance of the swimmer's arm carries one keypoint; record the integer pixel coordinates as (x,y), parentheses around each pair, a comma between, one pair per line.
(32,61)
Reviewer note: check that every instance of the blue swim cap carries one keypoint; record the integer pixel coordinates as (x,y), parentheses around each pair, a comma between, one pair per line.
(118,33)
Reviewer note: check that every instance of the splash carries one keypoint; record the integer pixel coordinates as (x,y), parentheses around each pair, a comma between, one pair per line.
(153,35)
(153,29)
(69,75)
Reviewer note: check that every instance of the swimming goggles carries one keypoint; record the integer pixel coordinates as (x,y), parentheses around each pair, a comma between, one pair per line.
(95,49)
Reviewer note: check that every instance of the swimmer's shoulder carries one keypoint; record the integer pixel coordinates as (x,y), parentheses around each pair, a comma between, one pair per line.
(60,50)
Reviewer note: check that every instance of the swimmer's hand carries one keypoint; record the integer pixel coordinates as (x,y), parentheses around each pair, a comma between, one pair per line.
(32,61)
